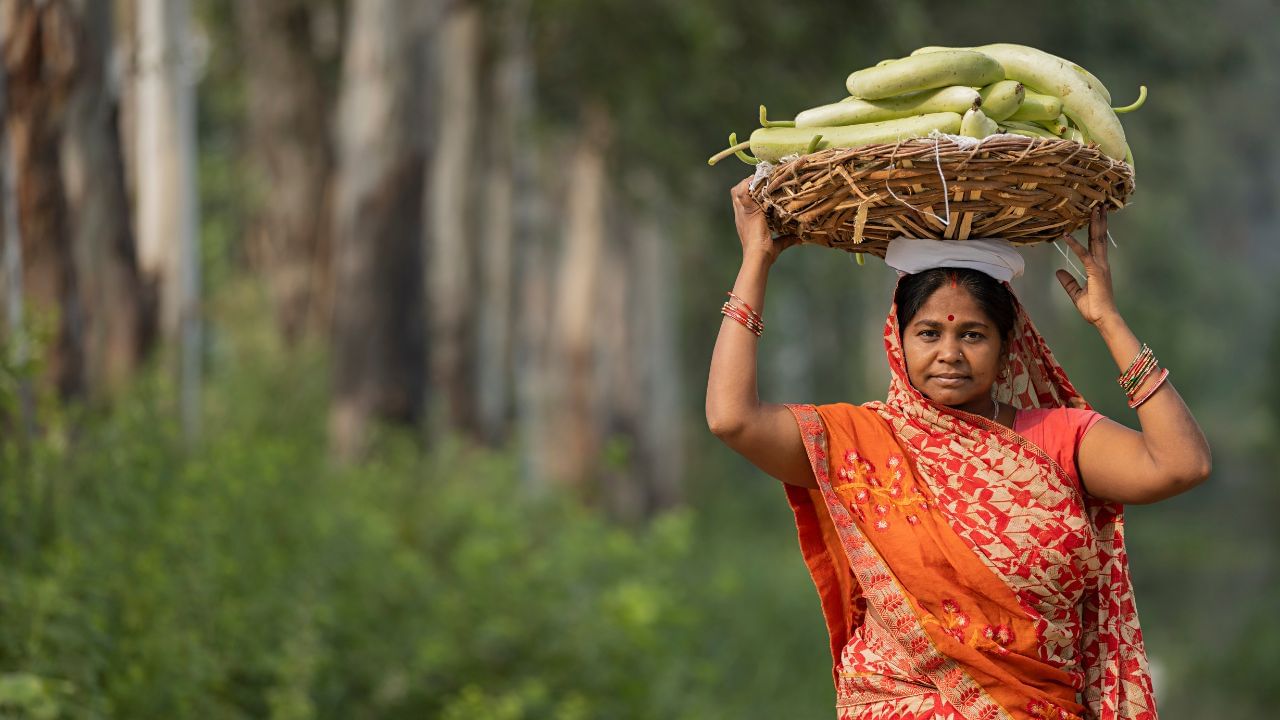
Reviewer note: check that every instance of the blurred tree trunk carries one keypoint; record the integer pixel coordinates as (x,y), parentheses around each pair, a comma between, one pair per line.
(614,389)
(576,440)
(534,315)
(168,214)
(508,185)
(654,315)
(289,129)
(637,376)
(118,318)
(39,51)
(153,139)
(14,337)
(379,342)
(452,207)
(532,363)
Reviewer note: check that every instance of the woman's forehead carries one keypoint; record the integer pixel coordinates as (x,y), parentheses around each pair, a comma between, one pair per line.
(956,300)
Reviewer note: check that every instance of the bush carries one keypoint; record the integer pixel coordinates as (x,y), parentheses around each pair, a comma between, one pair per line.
(247,578)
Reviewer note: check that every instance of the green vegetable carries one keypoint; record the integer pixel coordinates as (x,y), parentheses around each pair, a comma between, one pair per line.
(975,92)
(976,124)
(1050,74)
(924,72)
(774,143)
(1094,83)
(1037,106)
(1057,126)
(956,98)
(1025,128)
(1001,99)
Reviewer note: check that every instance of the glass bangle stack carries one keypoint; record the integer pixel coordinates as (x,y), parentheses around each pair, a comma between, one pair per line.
(1144,363)
(749,318)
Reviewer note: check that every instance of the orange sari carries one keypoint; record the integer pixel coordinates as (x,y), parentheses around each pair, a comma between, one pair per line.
(961,572)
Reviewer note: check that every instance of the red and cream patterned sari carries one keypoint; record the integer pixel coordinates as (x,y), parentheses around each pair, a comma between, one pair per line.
(961,573)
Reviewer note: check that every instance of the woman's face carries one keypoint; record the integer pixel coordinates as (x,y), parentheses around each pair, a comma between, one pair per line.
(953,350)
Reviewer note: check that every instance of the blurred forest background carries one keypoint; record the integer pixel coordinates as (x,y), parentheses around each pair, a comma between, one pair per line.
(354,351)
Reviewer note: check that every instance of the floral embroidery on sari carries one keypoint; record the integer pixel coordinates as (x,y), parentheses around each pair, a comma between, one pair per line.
(870,494)
(906,638)
(992,638)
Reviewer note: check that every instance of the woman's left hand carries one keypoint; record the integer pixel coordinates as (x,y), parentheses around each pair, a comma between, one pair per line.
(1095,300)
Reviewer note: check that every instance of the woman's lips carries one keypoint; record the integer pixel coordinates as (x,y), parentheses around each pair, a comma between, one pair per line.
(950,381)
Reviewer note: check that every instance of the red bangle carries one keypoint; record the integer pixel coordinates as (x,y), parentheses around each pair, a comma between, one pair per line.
(740,316)
(754,318)
(1143,362)
(756,331)
(750,314)
(1144,371)
(744,304)
(733,312)
(1143,358)
(1142,352)
(1163,376)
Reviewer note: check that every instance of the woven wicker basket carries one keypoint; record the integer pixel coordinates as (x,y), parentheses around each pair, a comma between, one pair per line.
(1025,190)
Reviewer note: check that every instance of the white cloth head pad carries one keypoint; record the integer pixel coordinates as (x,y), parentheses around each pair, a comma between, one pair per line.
(993,256)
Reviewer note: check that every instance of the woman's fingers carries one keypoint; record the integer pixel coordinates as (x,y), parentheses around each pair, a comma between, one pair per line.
(1098,224)
(742,197)
(1098,233)
(1077,248)
(1074,291)
(1096,253)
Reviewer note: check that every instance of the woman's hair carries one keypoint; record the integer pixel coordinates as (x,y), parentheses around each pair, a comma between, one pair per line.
(990,294)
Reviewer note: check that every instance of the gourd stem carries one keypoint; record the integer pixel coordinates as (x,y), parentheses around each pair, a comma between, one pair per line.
(734,150)
(766,122)
(1142,98)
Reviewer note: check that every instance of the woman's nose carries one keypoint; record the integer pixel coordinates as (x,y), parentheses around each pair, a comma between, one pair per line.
(949,351)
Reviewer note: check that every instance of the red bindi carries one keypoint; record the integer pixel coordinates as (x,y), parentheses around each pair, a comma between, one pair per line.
(950,318)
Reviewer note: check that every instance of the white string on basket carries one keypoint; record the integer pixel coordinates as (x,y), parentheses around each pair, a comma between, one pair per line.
(904,202)
(1068,258)
(946,196)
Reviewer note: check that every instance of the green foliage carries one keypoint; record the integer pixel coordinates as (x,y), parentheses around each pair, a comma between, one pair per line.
(247,578)
(30,696)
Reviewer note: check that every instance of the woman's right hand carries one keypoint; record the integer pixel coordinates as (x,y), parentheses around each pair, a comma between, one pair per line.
(753,228)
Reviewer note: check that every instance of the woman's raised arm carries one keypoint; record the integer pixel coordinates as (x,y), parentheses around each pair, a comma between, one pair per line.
(1170,455)
(764,433)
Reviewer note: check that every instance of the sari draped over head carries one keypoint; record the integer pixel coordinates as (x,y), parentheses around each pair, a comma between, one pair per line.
(961,572)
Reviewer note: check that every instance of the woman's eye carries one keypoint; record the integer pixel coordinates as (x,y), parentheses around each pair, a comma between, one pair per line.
(974,335)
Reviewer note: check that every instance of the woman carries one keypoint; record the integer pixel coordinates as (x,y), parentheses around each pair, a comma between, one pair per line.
(965,535)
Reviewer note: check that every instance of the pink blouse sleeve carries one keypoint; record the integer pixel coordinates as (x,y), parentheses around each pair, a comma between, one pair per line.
(1058,432)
